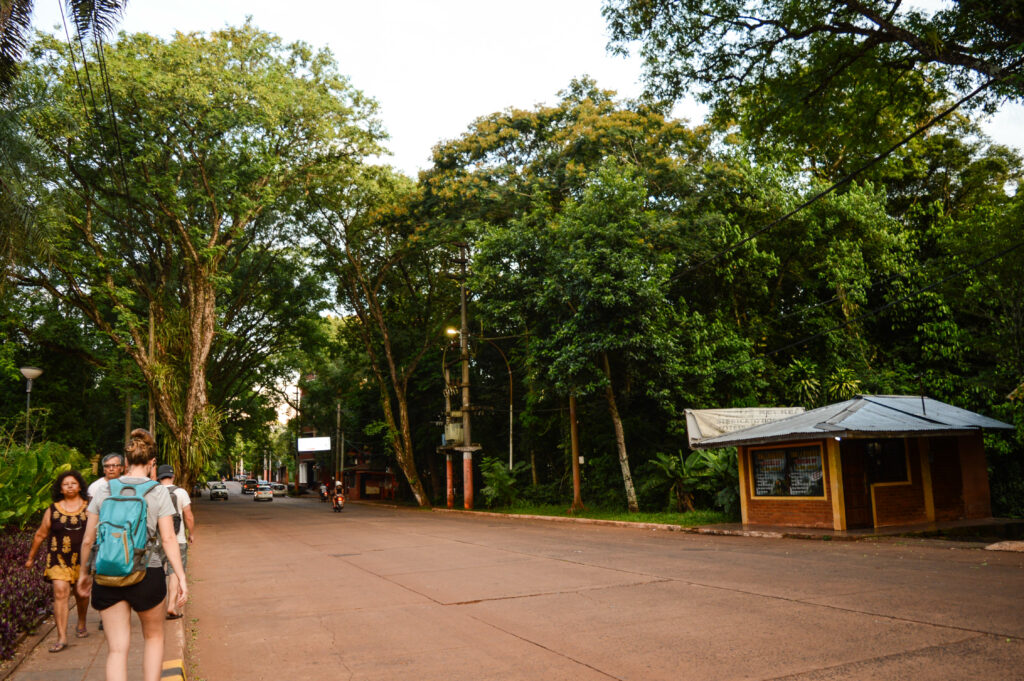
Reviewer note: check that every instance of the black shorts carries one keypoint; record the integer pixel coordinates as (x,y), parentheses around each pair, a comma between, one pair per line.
(145,595)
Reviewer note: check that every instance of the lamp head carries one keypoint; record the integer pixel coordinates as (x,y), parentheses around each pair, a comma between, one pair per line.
(452,331)
(31,373)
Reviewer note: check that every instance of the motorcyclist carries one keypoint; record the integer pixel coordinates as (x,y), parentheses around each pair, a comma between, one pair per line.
(338,496)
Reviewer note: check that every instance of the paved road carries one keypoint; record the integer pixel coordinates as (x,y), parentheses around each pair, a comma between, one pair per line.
(290,590)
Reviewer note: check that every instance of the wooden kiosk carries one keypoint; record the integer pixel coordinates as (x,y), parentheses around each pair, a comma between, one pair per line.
(872,461)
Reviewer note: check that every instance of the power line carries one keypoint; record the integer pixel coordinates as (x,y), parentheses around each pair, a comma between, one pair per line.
(105,79)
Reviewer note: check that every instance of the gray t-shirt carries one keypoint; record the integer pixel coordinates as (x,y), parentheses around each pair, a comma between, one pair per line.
(95,485)
(158,505)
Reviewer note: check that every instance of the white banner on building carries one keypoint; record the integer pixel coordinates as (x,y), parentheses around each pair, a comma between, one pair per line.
(702,424)
(314,444)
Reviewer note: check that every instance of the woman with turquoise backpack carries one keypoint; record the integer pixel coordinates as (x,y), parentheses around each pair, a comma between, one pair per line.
(137,509)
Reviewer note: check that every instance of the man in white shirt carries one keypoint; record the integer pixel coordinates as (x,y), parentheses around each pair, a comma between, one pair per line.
(183,507)
(113,467)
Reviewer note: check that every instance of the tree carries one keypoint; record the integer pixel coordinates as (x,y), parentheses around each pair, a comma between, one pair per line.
(597,304)
(557,259)
(865,71)
(391,269)
(203,153)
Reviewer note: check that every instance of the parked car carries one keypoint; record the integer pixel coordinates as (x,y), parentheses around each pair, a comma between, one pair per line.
(249,486)
(218,490)
(263,493)
(279,489)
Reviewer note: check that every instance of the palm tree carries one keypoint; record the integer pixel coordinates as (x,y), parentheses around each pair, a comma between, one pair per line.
(90,17)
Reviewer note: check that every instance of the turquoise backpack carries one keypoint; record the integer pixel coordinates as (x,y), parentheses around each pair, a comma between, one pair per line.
(123,544)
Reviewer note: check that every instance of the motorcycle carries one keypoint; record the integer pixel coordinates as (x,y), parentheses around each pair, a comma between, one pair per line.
(338,503)
(323,493)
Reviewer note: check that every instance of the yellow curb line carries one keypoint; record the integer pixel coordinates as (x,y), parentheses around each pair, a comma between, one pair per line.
(173,669)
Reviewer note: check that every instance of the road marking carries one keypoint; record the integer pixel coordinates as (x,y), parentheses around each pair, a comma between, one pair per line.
(173,669)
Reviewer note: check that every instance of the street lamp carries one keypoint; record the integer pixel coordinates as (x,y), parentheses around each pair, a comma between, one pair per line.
(455,332)
(30,373)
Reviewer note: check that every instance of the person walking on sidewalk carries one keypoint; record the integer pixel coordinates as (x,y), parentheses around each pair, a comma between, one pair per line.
(146,597)
(183,520)
(63,528)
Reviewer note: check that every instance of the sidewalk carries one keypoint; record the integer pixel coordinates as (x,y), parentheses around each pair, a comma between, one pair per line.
(85,658)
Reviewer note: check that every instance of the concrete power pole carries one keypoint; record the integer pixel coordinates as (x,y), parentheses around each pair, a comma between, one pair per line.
(467,439)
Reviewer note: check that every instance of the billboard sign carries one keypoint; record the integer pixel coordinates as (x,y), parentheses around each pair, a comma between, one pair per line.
(314,444)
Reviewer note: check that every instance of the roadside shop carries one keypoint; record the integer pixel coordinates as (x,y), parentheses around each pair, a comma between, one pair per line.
(872,461)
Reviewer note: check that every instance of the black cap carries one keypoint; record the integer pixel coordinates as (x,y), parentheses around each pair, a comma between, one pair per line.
(164,471)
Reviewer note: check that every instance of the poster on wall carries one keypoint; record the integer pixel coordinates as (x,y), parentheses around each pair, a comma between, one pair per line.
(788,472)
(770,473)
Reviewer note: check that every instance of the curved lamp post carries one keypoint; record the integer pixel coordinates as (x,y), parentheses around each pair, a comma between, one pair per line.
(455,332)
(30,373)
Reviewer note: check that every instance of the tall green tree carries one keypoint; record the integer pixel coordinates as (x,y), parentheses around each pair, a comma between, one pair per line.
(550,237)
(392,270)
(194,158)
(781,63)
(597,305)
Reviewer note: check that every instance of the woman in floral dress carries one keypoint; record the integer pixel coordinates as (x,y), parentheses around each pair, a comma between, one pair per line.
(63,528)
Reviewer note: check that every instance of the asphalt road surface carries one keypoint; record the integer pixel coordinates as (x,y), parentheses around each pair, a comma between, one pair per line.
(289,590)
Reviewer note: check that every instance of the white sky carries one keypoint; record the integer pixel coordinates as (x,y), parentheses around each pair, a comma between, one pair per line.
(436,65)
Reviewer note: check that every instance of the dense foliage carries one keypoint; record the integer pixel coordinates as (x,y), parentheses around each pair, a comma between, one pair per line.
(161,211)
(27,474)
(24,596)
(619,260)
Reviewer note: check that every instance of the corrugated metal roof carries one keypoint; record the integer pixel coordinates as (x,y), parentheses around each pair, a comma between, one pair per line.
(863,416)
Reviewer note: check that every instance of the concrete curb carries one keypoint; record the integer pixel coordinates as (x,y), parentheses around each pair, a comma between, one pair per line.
(174,650)
(707,530)
(664,527)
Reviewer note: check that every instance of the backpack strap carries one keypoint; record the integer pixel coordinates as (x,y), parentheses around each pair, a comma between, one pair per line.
(115,490)
(174,498)
(117,486)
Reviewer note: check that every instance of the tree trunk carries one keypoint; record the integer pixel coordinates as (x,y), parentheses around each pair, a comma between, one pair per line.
(574,438)
(407,460)
(127,417)
(620,437)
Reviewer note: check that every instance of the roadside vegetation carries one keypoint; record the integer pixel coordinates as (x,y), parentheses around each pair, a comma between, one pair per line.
(688,519)
(26,477)
(839,225)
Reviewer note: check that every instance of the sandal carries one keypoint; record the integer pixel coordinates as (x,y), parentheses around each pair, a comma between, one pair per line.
(81,633)
(174,616)
(57,647)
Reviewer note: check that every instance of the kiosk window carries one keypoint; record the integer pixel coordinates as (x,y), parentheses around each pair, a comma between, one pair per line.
(788,472)
(887,460)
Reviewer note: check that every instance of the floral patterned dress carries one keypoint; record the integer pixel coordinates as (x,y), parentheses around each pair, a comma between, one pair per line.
(66,533)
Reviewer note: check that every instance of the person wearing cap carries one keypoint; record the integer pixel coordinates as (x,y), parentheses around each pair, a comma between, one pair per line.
(183,506)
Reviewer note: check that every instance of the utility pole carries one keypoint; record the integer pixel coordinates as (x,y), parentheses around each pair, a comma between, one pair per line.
(339,455)
(449,469)
(467,439)
(298,431)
